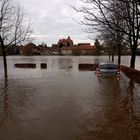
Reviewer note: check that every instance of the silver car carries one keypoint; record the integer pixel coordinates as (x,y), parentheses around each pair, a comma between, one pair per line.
(108,70)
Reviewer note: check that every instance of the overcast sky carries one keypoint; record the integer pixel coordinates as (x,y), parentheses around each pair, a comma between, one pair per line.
(53,19)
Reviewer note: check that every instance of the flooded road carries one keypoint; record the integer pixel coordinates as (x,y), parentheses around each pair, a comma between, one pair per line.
(63,103)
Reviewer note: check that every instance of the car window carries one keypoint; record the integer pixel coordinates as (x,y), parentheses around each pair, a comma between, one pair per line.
(108,66)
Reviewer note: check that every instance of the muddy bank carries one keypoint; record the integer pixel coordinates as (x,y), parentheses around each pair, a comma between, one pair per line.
(131,73)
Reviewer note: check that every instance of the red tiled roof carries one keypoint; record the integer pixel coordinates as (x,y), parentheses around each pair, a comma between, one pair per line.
(65,40)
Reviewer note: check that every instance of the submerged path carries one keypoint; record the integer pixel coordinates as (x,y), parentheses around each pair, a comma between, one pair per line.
(62,102)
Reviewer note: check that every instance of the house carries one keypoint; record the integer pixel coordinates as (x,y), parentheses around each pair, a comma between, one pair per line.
(27,49)
(32,49)
(80,49)
(13,50)
(65,42)
(67,47)
(55,49)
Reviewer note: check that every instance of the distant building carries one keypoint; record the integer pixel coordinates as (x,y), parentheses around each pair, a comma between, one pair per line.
(13,50)
(65,42)
(55,49)
(32,49)
(79,50)
(67,47)
(27,49)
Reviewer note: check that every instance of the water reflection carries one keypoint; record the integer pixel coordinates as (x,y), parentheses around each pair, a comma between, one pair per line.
(67,104)
(133,119)
(116,117)
(65,63)
(101,126)
(6,113)
(130,86)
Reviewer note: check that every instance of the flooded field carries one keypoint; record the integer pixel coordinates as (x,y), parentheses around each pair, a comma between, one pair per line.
(60,102)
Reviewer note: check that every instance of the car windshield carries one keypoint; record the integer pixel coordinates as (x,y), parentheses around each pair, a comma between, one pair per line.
(108,66)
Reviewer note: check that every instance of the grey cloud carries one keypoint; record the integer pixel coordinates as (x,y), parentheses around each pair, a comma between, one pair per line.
(52,19)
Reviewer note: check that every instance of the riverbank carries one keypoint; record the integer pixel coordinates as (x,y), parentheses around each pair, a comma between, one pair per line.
(131,73)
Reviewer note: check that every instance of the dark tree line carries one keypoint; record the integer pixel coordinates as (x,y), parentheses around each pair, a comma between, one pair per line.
(117,21)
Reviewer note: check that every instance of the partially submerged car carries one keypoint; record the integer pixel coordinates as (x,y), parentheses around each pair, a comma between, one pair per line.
(108,70)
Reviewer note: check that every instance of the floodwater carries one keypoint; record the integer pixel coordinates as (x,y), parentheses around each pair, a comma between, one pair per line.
(63,103)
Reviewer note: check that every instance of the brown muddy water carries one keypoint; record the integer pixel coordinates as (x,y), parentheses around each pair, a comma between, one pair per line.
(63,103)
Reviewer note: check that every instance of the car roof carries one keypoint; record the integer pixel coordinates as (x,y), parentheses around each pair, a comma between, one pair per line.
(107,63)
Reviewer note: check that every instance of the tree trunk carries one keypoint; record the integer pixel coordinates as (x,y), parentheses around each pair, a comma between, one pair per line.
(4,57)
(113,54)
(109,57)
(133,58)
(113,57)
(119,55)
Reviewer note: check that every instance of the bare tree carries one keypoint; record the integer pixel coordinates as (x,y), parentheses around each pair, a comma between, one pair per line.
(110,40)
(121,16)
(14,27)
(115,42)
(98,47)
